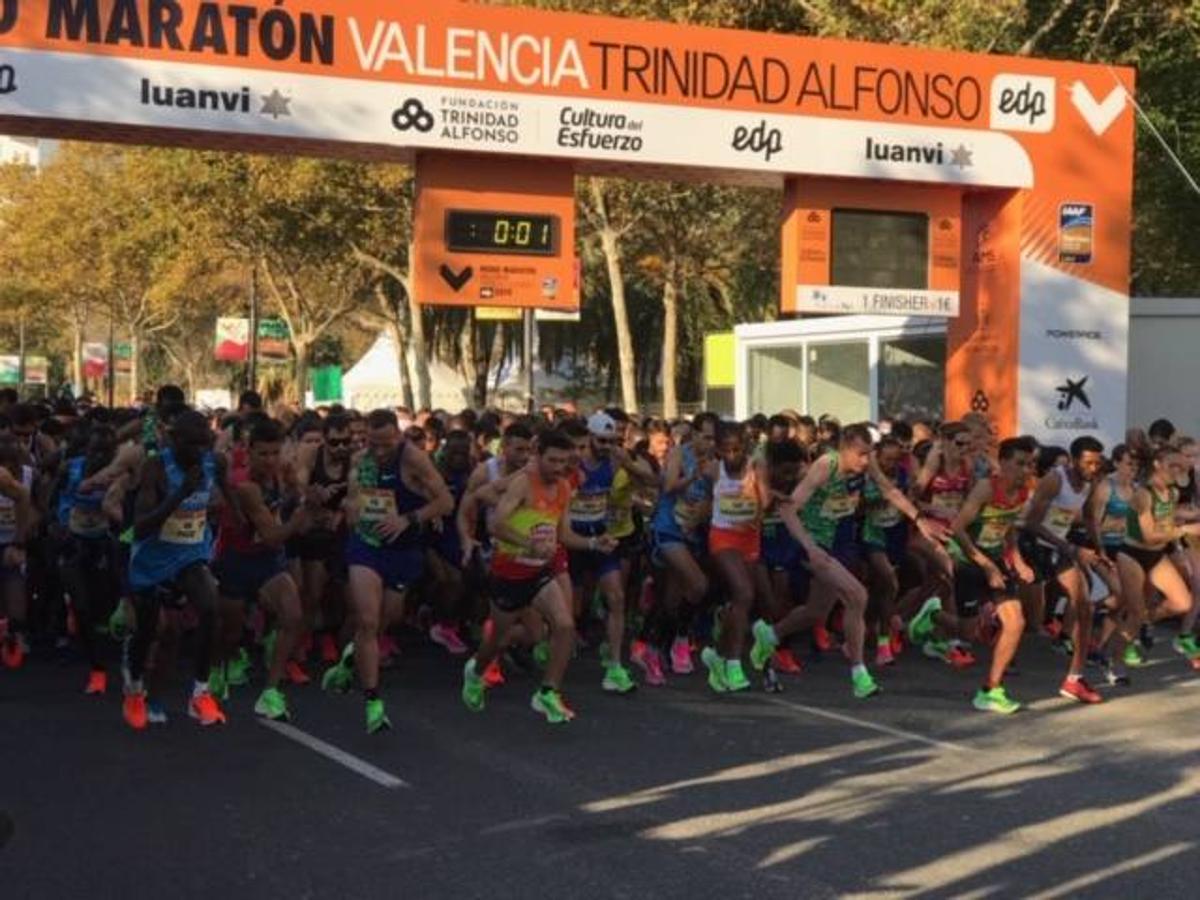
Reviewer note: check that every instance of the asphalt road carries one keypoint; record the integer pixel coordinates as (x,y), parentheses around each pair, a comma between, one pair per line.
(668,793)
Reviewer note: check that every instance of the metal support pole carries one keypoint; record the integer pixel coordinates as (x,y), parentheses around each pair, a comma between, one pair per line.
(21,351)
(252,362)
(527,360)
(112,359)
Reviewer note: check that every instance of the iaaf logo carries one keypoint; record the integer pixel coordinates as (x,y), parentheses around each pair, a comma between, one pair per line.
(1023,103)
(760,140)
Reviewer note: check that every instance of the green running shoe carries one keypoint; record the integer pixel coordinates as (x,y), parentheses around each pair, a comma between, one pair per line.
(218,682)
(541,653)
(939,650)
(273,705)
(735,676)
(377,719)
(921,627)
(765,642)
(118,622)
(550,704)
(716,670)
(474,693)
(338,678)
(1185,645)
(995,700)
(864,685)
(617,680)
(1132,657)
(237,671)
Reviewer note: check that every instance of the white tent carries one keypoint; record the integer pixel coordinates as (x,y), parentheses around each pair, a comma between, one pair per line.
(374,381)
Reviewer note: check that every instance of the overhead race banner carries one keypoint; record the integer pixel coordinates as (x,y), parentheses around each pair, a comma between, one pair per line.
(452,76)
(95,360)
(37,370)
(232,340)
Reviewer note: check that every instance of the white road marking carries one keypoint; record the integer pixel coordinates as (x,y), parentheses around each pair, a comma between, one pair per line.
(339,756)
(524,824)
(869,726)
(1070,888)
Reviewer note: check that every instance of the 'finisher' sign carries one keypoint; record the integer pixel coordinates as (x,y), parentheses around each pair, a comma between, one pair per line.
(876,301)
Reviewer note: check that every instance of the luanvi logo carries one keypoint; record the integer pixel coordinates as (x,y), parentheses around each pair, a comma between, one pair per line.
(8,80)
(1023,103)
(962,156)
(209,100)
(1073,392)
(413,115)
(760,140)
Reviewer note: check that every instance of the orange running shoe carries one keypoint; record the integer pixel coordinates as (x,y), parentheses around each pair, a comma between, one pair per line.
(822,639)
(493,675)
(97,682)
(205,709)
(12,653)
(295,673)
(134,710)
(785,661)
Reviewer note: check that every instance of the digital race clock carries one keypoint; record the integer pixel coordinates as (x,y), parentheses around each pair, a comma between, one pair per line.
(472,231)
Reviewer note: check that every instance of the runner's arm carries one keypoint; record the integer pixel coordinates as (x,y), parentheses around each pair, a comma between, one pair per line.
(22,500)
(510,502)
(674,481)
(114,499)
(1093,511)
(126,462)
(466,521)
(153,505)
(933,463)
(269,529)
(969,512)
(441,501)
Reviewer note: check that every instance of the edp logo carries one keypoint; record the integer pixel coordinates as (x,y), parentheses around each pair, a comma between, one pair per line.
(1023,103)
(760,140)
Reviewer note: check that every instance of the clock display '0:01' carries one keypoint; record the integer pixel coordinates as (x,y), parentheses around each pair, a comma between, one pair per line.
(521,234)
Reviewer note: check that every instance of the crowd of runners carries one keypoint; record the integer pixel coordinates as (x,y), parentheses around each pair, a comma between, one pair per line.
(245,547)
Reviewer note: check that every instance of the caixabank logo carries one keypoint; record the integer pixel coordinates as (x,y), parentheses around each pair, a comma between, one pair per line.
(1074,404)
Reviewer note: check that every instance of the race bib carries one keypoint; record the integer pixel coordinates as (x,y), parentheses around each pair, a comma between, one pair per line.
(948,502)
(589,508)
(886,517)
(1113,526)
(8,518)
(687,516)
(991,535)
(377,504)
(87,522)
(1060,521)
(737,508)
(839,506)
(185,526)
(544,535)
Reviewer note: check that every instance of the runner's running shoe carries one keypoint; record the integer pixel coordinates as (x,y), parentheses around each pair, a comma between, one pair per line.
(716,670)
(920,629)
(646,658)
(883,653)
(447,637)
(735,676)
(785,661)
(273,705)
(118,622)
(203,707)
(960,657)
(1113,676)
(939,650)
(550,704)
(328,648)
(377,719)
(822,639)
(97,682)
(237,672)
(12,654)
(474,691)
(493,675)
(995,700)
(681,656)
(1185,645)
(617,680)
(133,709)
(864,685)
(156,713)
(1133,657)
(218,682)
(766,641)
(295,673)
(1078,689)
(338,678)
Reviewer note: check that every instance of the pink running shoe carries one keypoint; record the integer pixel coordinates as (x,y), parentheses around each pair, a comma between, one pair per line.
(646,658)
(447,636)
(681,657)
(883,654)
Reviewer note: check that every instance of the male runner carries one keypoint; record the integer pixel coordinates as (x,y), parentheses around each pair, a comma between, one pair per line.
(251,565)
(829,498)
(989,569)
(171,550)
(1057,505)
(16,520)
(394,491)
(532,529)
